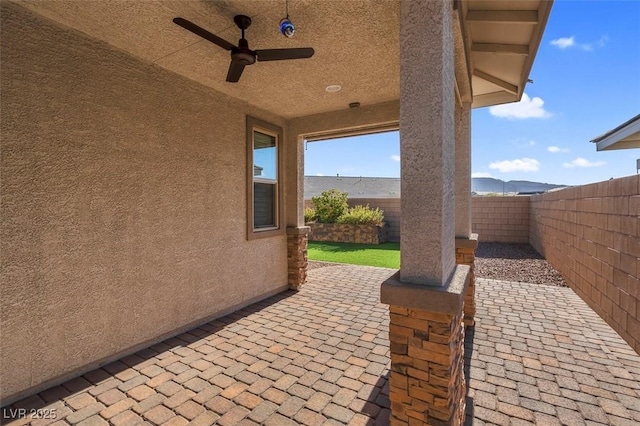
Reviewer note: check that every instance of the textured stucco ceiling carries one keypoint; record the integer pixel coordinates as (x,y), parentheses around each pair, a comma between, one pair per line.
(356,46)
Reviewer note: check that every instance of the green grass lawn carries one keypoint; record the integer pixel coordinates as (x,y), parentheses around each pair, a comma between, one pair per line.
(386,255)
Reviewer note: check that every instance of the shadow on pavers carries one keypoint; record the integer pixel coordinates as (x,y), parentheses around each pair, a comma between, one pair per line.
(469,335)
(34,406)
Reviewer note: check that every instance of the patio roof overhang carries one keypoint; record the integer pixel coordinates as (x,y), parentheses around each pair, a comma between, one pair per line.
(502,41)
(356,47)
(625,136)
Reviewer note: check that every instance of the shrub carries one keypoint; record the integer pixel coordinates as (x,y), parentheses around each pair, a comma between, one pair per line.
(330,205)
(362,215)
(309,214)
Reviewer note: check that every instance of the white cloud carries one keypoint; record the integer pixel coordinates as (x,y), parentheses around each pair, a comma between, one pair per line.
(603,40)
(583,162)
(526,108)
(557,149)
(567,42)
(563,42)
(481,175)
(395,157)
(532,143)
(319,174)
(517,165)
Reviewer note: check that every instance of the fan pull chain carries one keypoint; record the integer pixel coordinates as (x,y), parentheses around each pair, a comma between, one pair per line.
(287,28)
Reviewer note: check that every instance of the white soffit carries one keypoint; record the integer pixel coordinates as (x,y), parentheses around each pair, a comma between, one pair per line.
(503,38)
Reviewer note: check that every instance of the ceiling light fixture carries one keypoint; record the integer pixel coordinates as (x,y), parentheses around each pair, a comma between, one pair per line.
(286,26)
(333,88)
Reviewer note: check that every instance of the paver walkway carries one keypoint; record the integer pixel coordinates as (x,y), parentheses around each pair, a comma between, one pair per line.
(539,354)
(320,356)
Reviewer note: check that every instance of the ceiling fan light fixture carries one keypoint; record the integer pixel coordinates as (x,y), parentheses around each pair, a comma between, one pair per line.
(333,88)
(287,28)
(244,58)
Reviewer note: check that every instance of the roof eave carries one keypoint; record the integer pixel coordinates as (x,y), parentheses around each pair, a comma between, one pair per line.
(543,15)
(510,92)
(625,136)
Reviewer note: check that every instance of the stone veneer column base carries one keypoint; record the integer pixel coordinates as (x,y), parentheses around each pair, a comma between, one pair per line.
(466,255)
(426,335)
(297,238)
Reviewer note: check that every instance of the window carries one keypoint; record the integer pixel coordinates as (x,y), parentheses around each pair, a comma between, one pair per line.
(263,174)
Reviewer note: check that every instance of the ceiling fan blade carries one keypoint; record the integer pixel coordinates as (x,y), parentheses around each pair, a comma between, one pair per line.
(235,71)
(190,26)
(283,54)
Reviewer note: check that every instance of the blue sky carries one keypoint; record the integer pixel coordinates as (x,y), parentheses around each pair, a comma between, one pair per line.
(586,81)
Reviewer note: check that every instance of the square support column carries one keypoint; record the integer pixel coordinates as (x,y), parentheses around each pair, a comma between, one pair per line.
(466,242)
(297,261)
(426,335)
(463,170)
(466,255)
(427,142)
(297,232)
(426,297)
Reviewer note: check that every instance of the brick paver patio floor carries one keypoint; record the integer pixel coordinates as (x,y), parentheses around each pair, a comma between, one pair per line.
(537,355)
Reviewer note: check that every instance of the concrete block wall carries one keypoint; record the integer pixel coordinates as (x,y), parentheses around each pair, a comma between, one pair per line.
(591,234)
(495,219)
(391,207)
(501,219)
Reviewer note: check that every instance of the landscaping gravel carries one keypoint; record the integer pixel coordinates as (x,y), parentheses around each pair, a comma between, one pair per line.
(515,262)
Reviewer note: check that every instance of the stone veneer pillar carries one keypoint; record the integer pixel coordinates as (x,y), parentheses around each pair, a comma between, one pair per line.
(426,334)
(297,261)
(426,297)
(466,255)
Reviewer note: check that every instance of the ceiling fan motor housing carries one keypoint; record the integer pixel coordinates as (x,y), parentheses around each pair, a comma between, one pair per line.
(244,58)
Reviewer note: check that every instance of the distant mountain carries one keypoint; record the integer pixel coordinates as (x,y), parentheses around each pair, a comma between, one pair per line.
(485,185)
(377,187)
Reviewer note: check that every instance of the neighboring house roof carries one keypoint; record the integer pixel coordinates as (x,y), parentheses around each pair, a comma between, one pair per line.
(625,136)
(355,187)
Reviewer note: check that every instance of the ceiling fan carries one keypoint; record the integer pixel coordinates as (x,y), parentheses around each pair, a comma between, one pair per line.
(241,55)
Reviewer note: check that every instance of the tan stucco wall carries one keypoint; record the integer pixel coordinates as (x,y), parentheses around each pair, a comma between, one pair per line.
(501,219)
(123,204)
(591,234)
